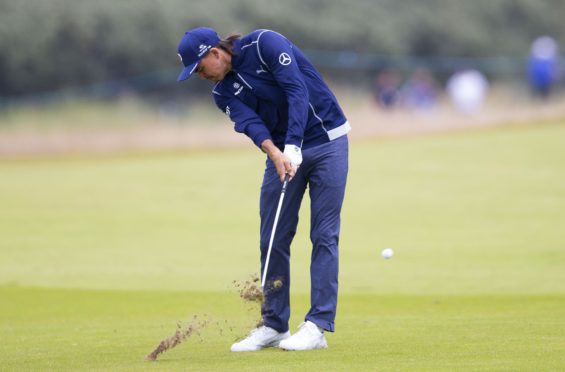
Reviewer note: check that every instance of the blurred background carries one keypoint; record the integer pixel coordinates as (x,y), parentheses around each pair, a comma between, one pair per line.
(98,76)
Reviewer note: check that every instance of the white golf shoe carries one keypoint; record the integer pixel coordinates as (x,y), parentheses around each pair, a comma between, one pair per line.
(260,338)
(308,337)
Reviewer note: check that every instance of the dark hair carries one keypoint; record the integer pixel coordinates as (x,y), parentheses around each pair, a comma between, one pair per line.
(227,43)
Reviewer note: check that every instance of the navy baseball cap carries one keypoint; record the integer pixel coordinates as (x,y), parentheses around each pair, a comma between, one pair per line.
(194,45)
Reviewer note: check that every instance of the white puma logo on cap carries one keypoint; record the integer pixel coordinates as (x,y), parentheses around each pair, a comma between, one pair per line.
(203,49)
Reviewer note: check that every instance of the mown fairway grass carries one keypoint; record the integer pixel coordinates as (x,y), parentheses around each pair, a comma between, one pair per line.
(100,257)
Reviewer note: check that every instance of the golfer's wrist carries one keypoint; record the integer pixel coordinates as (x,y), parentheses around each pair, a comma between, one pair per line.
(269,148)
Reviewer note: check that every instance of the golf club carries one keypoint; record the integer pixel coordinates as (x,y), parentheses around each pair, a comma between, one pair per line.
(263,278)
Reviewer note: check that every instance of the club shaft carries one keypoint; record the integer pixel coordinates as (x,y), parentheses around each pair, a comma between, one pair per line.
(279,207)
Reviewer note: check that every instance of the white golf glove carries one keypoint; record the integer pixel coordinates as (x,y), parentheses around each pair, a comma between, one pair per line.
(294,153)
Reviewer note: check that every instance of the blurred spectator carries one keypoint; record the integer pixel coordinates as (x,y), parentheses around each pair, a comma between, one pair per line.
(419,92)
(542,66)
(386,89)
(467,90)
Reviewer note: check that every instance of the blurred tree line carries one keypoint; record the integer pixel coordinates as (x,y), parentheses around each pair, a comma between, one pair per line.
(52,44)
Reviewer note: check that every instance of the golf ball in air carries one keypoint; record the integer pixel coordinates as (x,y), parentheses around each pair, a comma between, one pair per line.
(387,253)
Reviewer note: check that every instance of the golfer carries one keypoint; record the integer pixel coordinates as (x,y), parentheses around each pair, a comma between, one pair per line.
(275,96)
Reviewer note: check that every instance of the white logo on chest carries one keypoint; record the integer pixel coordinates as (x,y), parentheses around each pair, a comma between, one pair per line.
(284,59)
(238,88)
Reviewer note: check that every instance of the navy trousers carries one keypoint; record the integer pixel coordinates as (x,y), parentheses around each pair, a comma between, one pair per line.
(324,171)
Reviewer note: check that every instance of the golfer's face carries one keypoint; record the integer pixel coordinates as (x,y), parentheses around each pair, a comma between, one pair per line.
(212,67)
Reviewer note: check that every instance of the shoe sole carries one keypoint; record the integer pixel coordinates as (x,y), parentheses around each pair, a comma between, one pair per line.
(271,344)
(322,345)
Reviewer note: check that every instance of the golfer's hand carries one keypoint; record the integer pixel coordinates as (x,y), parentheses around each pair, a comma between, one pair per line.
(282,163)
(294,154)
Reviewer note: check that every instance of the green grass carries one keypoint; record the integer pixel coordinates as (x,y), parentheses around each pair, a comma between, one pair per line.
(114,330)
(101,256)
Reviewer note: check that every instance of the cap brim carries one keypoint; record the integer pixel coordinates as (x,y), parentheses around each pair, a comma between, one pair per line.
(187,71)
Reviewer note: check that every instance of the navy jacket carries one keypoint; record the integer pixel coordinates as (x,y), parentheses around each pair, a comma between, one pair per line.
(274,92)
